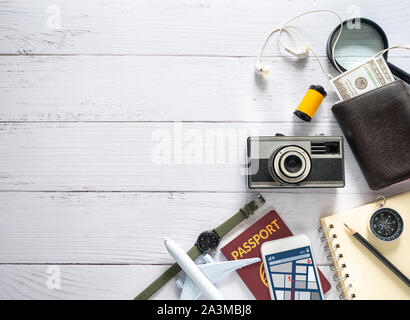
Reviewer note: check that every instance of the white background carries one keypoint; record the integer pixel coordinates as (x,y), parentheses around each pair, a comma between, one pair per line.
(80,105)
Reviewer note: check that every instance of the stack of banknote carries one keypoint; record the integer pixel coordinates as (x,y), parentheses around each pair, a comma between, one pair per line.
(370,75)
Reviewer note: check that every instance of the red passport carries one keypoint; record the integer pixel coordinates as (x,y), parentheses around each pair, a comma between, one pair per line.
(248,245)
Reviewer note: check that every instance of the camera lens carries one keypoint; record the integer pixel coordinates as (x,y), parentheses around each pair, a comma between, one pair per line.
(292,164)
(289,165)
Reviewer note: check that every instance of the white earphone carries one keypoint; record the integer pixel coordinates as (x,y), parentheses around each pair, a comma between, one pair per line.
(304,51)
(261,69)
(300,53)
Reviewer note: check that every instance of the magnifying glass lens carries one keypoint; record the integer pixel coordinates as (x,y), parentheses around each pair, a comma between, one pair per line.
(356,44)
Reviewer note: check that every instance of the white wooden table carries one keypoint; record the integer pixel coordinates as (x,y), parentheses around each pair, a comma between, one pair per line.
(88,87)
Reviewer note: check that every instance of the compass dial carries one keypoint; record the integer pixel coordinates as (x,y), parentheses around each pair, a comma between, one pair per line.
(208,241)
(386,224)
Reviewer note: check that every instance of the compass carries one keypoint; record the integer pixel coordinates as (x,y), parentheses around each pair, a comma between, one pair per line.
(386,224)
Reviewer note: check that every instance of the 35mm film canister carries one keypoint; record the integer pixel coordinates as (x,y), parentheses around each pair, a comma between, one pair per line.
(310,102)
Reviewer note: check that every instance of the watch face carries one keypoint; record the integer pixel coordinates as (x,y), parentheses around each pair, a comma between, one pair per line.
(207,241)
(386,224)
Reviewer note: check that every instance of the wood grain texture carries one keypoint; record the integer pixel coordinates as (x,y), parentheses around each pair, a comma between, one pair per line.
(179,27)
(90,282)
(143,157)
(84,107)
(107,88)
(128,228)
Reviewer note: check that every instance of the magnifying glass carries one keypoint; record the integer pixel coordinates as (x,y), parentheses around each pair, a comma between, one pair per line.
(359,41)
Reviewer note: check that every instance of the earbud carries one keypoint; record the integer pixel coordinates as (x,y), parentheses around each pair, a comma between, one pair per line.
(304,51)
(301,53)
(261,69)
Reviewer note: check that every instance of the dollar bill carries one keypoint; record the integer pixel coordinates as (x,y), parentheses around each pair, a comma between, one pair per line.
(385,69)
(370,75)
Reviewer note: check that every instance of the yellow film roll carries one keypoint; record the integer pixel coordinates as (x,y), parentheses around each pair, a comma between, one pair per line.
(310,102)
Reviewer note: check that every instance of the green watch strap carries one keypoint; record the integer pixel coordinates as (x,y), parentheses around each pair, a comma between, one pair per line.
(171,272)
(194,252)
(237,218)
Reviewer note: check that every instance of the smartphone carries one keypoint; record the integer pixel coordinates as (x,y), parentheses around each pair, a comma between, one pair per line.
(290,269)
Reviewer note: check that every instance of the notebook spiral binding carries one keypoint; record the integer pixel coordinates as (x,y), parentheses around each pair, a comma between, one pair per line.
(334,255)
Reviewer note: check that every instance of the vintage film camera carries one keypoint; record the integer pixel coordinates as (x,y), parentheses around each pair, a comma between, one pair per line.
(289,162)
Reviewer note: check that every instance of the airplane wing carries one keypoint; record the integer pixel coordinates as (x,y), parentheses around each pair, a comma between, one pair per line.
(213,271)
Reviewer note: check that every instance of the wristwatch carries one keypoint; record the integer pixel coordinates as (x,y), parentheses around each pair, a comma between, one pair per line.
(207,241)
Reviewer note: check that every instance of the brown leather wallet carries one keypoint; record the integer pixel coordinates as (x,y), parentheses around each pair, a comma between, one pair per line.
(376,125)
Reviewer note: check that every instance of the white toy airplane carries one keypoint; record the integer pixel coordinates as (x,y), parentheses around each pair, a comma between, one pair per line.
(212,271)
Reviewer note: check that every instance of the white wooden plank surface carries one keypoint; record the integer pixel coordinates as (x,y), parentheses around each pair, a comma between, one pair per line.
(130,68)
(91,282)
(118,228)
(180,27)
(124,156)
(134,157)
(107,88)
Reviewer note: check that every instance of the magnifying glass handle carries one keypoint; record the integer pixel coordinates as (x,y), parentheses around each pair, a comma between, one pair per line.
(403,75)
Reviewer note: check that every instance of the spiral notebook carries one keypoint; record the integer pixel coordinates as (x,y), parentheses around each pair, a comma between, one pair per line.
(359,273)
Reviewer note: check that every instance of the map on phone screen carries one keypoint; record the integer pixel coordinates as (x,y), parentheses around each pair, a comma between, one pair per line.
(293,275)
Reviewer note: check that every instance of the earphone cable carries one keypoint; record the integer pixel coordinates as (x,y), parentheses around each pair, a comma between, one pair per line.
(284,27)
